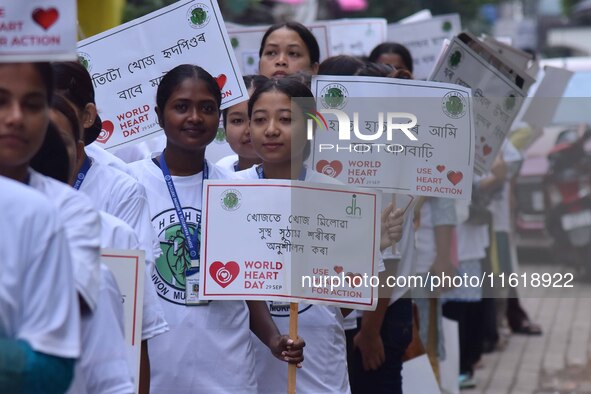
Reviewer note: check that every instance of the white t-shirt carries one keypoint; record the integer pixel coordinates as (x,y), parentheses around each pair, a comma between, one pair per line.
(103,367)
(472,241)
(106,158)
(83,229)
(116,234)
(208,348)
(143,150)
(500,203)
(228,162)
(124,197)
(38,301)
(434,212)
(321,326)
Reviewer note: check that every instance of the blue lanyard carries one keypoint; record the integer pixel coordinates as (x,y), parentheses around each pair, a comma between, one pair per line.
(261,174)
(82,173)
(192,241)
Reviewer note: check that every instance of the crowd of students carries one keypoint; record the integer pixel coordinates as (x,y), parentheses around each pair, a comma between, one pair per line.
(64,198)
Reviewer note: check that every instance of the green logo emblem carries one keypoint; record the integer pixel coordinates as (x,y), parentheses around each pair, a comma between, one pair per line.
(446,26)
(250,61)
(170,267)
(510,102)
(220,135)
(334,96)
(234,41)
(455,58)
(231,199)
(454,105)
(198,15)
(84,59)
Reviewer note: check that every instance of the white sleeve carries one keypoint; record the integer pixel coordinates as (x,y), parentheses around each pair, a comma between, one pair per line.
(104,362)
(50,317)
(83,229)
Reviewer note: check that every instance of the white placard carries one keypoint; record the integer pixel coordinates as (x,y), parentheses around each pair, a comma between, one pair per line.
(513,55)
(284,231)
(424,39)
(497,97)
(438,163)
(541,108)
(128,268)
(355,37)
(37,30)
(246,42)
(190,32)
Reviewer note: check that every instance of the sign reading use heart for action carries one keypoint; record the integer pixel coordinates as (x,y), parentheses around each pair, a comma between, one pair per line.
(37,30)
(292,241)
(406,137)
(186,32)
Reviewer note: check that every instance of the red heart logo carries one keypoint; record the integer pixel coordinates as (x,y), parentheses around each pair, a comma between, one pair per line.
(45,18)
(224,274)
(455,177)
(482,139)
(221,80)
(486,150)
(352,277)
(332,169)
(107,128)
(338,269)
(440,168)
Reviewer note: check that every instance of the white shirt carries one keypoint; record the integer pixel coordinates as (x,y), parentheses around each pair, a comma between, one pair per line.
(38,301)
(116,234)
(122,196)
(500,203)
(82,227)
(106,158)
(228,162)
(142,150)
(103,367)
(321,326)
(208,348)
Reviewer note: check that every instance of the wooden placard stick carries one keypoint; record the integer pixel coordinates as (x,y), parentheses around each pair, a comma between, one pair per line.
(293,334)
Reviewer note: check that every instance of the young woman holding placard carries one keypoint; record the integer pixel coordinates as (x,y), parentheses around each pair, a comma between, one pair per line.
(278,135)
(208,348)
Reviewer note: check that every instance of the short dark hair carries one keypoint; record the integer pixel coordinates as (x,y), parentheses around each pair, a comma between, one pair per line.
(44,70)
(75,83)
(61,104)
(52,158)
(252,82)
(302,31)
(340,65)
(395,48)
(172,79)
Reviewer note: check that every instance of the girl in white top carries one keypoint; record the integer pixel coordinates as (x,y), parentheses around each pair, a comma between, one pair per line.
(102,368)
(39,311)
(236,124)
(26,92)
(208,348)
(278,136)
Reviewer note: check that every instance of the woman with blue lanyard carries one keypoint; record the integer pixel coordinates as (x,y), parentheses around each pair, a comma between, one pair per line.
(279,137)
(208,348)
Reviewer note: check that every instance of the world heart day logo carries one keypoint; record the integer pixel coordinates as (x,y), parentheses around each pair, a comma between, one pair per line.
(332,169)
(107,129)
(224,274)
(45,18)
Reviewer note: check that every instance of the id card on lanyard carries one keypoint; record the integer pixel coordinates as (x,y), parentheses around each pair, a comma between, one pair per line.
(82,173)
(191,240)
